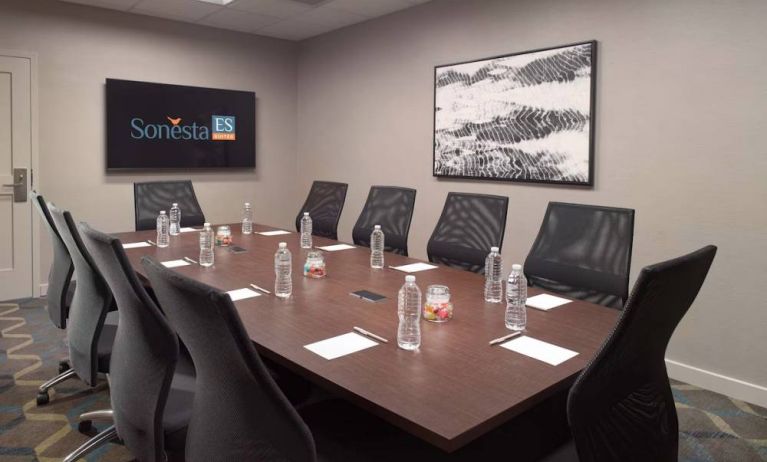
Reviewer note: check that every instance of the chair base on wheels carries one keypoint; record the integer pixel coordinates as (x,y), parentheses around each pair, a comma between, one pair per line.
(42,393)
(107,436)
(86,419)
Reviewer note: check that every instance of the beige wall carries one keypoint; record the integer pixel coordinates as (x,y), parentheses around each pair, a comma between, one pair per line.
(680,133)
(79,47)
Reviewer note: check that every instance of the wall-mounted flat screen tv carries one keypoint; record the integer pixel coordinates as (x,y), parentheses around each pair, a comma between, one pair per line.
(159,126)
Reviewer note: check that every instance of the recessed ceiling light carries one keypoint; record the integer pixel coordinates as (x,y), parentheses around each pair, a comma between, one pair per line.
(217,2)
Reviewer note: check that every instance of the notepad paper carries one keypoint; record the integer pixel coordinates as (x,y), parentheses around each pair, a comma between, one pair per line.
(278,232)
(241,294)
(189,230)
(175,263)
(414,267)
(333,248)
(342,345)
(136,245)
(540,350)
(546,302)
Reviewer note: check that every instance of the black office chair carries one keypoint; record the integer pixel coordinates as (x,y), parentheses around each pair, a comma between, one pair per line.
(392,208)
(621,406)
(153,196)
(239,412)
(150,409)
(583,252)
(324,204)
(90,340)
(469,225)
(60,284)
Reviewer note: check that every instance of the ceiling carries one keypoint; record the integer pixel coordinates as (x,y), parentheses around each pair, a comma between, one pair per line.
(285,19)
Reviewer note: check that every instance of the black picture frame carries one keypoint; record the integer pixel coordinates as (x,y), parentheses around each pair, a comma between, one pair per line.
(589,181)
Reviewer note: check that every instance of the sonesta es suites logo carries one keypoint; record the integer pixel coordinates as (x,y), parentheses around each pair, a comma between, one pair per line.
(222,128)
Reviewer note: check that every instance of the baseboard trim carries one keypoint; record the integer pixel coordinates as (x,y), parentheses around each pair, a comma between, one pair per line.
(734,388)
(44,289)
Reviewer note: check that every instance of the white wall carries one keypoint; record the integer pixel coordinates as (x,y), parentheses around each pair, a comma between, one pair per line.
(680,124)
(79,47)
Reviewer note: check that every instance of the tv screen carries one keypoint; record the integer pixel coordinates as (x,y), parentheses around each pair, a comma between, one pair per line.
(159,126)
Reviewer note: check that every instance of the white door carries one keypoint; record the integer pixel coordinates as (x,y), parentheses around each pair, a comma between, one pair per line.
(15,163)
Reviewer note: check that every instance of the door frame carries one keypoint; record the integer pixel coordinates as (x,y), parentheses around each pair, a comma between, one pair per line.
(34,182)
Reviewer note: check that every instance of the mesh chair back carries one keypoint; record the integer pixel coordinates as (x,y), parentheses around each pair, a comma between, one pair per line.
(583,251)
(145,347)
(621,406)
(60,274)
(469,225)
(239,412)
(324,204)
(152,196)
(90,303)
(392,208)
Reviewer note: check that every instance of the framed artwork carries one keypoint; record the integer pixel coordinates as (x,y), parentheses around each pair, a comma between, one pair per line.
(525,117)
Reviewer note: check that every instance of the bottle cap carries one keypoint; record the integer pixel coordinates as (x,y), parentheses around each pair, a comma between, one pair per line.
(377,227)
(162,212)
(494,249)
(175,204)
(283,245)
(206,225)
(306,214)
(409,278)
(516,266)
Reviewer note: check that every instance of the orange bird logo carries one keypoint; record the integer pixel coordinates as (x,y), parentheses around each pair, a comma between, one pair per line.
(175,121)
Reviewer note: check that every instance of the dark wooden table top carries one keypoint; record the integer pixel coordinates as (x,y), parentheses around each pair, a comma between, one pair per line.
(451,391)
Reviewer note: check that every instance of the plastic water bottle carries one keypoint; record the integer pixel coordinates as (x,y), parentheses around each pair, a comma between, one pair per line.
(163,240)
(175,220)
(493,276)
(283,268)
(409,331)
(247,219)
(306,231)
(377,247)
(516,297)
(206,245)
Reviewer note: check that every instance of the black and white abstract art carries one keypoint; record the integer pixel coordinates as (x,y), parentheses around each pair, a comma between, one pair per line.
(521,117)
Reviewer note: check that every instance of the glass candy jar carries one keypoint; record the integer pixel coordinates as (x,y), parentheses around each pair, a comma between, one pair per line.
(315,265)
(438,307)
(223,236)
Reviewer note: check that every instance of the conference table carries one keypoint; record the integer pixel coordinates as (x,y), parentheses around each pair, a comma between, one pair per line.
(454,389)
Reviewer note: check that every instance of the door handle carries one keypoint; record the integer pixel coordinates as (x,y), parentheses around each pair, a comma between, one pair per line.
(20,185)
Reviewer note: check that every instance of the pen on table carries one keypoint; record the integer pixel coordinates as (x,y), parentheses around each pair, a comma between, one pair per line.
(260,288)
(151,242)
(190,260)
(370,334)
(504,338)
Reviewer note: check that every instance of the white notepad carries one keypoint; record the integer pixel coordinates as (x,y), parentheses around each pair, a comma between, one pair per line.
(540,350)
(546,302)
(189,230)
(175,263)
(341,345)
(414,267)
(135,245)
(333,248)
(241,294)
(278,232)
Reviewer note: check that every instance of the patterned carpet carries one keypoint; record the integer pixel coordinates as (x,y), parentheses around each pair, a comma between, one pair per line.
(713,427)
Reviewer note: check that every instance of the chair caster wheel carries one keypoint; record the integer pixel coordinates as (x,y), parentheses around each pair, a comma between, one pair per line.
(43,398)
(85,426)
(63,367)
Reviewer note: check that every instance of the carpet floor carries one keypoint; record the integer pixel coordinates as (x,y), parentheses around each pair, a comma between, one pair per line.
(713,427)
